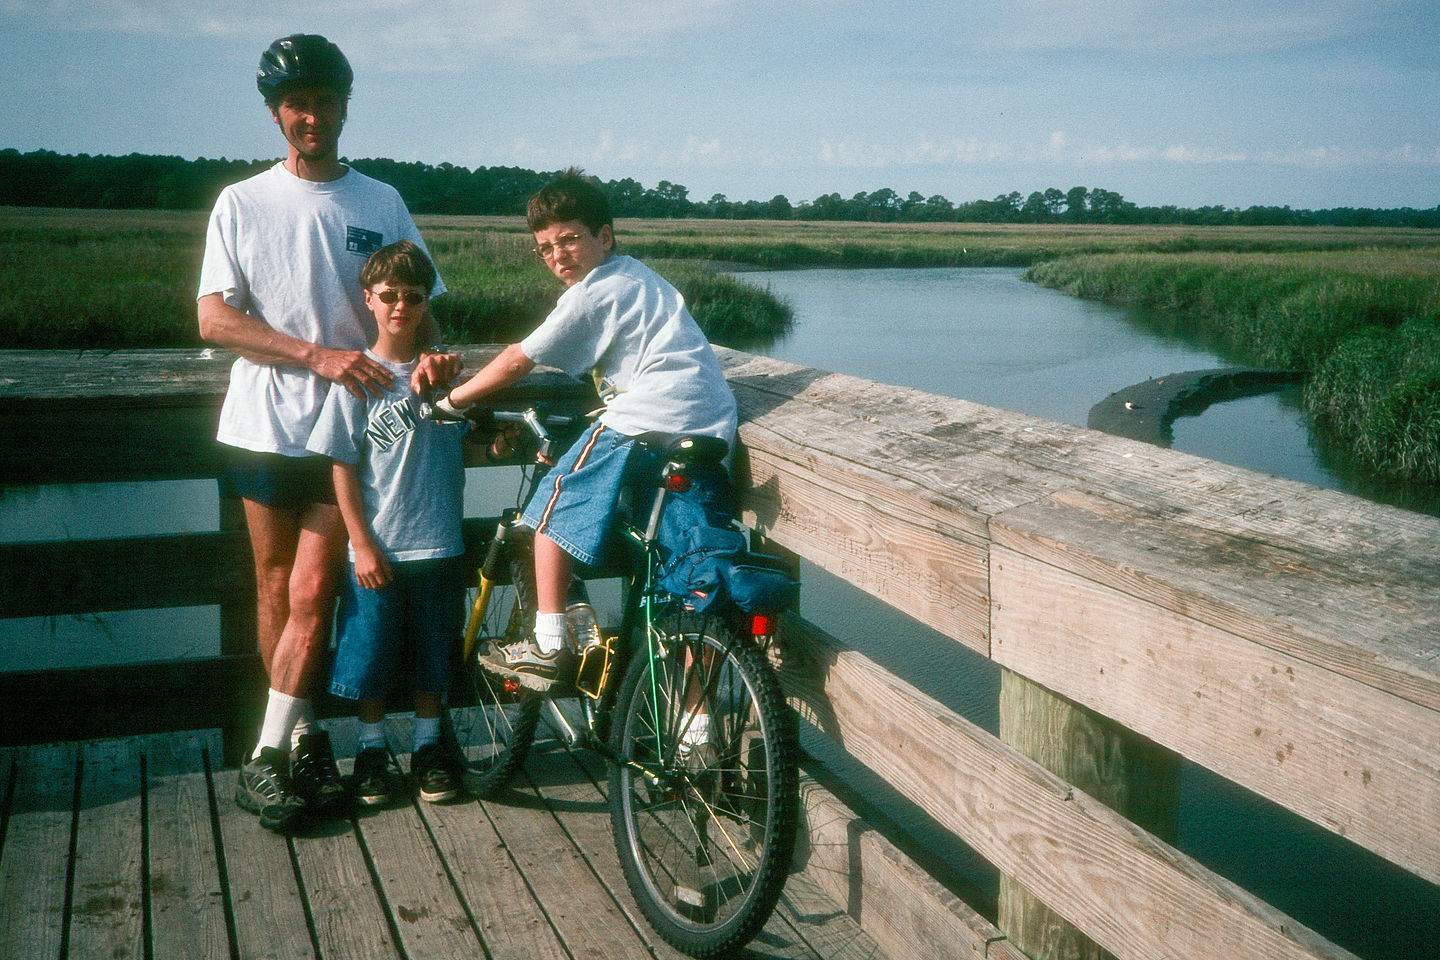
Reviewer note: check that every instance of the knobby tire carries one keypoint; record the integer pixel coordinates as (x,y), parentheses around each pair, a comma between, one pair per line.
(706,853)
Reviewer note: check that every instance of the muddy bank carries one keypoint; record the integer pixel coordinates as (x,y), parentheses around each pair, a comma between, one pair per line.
(1147,411)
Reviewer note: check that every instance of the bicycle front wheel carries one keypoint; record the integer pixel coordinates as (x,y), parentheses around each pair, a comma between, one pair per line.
(494,733)
(704,825)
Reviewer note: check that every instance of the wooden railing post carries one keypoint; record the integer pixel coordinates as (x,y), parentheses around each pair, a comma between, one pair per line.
(1132,775)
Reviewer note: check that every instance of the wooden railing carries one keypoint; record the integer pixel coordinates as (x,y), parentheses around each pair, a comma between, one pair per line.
(1285,637)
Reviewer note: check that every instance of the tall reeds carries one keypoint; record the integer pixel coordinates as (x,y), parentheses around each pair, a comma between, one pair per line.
(1364,324)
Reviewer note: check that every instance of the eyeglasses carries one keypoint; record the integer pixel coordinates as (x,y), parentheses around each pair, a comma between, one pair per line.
(412,299)
(569,242)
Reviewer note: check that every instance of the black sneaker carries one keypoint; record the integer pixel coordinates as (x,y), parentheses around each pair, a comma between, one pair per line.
(375,776)
(436,773)
(264,788)
(316,778)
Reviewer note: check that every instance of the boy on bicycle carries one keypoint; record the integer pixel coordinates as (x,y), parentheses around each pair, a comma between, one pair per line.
(398,482)
(621,322)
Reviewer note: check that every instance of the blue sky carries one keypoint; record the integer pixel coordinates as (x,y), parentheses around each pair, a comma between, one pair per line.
(1311,104)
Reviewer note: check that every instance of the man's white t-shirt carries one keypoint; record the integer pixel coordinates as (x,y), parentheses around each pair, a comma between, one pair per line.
(625,318)
(288,251)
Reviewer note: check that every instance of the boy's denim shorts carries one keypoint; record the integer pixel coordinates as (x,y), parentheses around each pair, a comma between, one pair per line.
(411,622)
(575,501)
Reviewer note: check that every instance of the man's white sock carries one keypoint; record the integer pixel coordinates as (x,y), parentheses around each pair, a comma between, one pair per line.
(282,712)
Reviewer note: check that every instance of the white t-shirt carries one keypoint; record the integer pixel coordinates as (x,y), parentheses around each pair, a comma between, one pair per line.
(411,474)
(288,252)
(626,318)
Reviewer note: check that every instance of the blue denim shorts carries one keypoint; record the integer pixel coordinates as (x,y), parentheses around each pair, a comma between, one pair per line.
(411,622)
(575,502)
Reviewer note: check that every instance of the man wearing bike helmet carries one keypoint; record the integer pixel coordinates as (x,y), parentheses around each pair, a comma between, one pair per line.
(280,286)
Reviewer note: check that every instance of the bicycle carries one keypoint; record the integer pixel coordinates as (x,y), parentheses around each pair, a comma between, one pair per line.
(704,825)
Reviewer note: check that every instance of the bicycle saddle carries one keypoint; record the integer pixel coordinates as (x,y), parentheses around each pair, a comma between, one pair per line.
(687,449)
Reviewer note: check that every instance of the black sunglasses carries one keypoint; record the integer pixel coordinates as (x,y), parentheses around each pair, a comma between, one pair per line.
(411,299)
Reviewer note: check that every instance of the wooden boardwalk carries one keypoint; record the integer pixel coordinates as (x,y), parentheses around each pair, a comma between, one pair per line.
(134,848)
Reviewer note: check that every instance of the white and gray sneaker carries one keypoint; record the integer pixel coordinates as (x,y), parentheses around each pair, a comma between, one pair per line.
(523,662)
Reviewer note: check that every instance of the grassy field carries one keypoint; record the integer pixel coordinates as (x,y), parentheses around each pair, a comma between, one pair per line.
(1359,309)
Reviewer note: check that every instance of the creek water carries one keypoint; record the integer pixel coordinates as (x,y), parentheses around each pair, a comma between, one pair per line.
(979,334)
(985,335)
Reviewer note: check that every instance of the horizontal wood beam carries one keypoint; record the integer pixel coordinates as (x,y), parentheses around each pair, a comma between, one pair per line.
(908,913)
(58,578)
(44,706)
(1359,761)
(1134,895)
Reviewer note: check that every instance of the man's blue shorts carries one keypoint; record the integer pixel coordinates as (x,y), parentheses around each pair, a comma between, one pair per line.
(286,483)
(412,621)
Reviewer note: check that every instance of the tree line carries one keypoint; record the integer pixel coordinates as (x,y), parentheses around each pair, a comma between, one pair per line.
(138,181)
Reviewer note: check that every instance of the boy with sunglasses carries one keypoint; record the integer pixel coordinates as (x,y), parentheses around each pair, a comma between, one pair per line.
(621,322)
(398,482)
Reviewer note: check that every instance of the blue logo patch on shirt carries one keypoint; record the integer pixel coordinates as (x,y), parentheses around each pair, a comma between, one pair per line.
(362,241)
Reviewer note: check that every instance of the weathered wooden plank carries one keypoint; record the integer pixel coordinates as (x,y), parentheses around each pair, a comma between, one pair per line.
(989,463)
(1361,605)
(265,897)
(35,859)
(131,573)
(108,440)
(1134,895)
(343,903)
(583,913)
(909,914)
(502,905)
(823,926)
(425,910)
(875,529)
(187,915)
(1356,760)
(106,899)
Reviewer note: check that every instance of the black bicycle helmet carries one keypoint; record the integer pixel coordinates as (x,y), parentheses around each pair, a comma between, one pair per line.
(302,59)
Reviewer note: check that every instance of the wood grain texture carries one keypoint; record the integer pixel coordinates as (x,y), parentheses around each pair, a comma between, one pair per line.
(1134,895)
(1357,760)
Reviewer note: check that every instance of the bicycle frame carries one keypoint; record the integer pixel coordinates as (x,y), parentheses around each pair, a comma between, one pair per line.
(640,609)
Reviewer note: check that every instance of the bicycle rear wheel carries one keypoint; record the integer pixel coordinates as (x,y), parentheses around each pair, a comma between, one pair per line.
(495,732)
(705,840)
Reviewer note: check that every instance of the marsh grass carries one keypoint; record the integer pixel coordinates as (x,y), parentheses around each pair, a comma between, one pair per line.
(1356,307)
(1364,323)
(102,279)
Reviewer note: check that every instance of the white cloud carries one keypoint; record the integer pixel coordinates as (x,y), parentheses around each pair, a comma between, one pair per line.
(390,35)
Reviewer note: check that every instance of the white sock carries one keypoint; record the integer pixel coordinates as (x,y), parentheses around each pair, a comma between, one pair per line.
(549,631)
(372,735)
(427,731)
(282,712)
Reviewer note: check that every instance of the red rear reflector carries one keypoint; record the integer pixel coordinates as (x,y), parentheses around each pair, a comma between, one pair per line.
(677,483)
(762,626)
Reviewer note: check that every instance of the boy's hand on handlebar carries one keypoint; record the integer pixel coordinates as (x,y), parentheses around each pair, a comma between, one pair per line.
(442,410)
